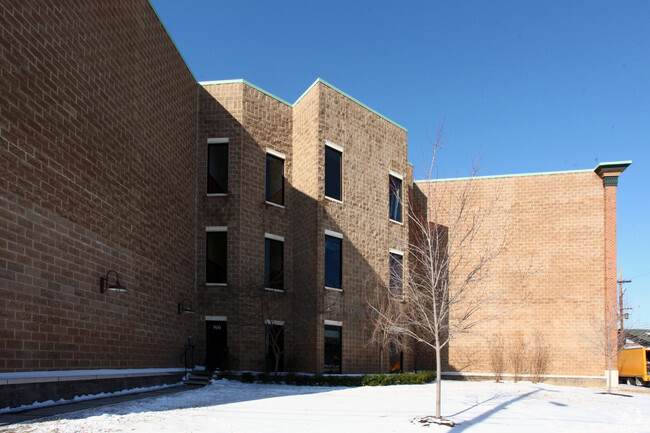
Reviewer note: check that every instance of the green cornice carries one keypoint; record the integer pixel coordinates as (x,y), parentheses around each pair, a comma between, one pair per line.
(319,80)
(609,167)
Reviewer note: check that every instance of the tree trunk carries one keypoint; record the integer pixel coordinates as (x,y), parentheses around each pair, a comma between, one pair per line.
(438,382)
(609,374)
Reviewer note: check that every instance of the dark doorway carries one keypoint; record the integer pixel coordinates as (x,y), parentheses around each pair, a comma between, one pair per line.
(332,349)
(274,347)
(216,344)
(396,359)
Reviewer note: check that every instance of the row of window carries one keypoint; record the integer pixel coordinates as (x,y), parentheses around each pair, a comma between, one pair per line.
(217,344)
(217,260)
(274,346)
(218,175)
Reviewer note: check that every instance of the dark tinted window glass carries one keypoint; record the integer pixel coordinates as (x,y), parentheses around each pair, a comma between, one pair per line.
(396,274)
(274,179)
(332,173)
(216,257)
(333,262)
(274,264)
(332,349)
(395,187)
(218,168)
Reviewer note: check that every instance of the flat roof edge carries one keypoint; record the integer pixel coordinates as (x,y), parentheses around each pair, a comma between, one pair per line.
(499,176)
(318,80)
(242,81)
(359,103)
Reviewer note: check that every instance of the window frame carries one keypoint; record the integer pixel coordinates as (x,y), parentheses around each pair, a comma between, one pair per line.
(268,238)
(270,153)
(398,200)
(338,149)
(208,231)
(339,238)
(211,143)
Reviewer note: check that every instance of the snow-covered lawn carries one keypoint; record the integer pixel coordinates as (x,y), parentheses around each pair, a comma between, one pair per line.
(227,406)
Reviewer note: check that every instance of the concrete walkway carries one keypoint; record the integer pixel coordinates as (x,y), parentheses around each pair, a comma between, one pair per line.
(42,412)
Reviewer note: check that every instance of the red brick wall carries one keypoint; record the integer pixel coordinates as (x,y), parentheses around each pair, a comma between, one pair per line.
(555,227)
(98,163)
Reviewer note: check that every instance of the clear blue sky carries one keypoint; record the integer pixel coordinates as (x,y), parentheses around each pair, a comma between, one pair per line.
(532,86)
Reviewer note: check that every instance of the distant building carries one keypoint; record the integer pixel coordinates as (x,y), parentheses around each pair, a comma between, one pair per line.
(640,337)
(264,218)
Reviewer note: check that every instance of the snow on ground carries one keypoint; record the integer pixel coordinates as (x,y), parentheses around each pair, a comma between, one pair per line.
(227,406)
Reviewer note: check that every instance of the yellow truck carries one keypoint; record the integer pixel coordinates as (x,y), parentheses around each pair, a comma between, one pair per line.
(633,366)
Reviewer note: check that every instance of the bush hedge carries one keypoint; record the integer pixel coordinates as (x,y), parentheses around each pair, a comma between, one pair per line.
(335,380)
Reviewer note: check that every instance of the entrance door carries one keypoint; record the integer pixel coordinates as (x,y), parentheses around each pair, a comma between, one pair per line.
(332,349)
(216,344)
(396,359)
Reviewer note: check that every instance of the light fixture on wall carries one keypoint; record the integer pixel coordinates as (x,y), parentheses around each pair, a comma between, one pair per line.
(116,287)
(185,307)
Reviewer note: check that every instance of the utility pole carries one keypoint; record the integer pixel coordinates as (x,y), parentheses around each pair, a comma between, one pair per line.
(621,290)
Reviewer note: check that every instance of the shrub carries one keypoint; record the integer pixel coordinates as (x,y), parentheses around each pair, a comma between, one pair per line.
(336,380)
(247,378)
(399,379)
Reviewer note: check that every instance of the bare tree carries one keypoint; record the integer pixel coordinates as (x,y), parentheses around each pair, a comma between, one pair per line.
(443,291)
(606,339)
(517,355)
(540,357)
(381,333)
(497,359)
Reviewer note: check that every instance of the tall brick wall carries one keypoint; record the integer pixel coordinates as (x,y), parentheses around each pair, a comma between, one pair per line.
(555,228)
(98,118)
(253,122)
(372,147)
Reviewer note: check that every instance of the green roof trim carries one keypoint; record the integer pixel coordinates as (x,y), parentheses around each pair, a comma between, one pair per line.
(238,81)
(359,102)
(622,164)
(187,65)
(618,166)
(318,80)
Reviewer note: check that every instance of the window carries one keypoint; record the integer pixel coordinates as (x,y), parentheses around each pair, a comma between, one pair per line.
(395,197)
(333,154)
(274,262)
(218,166)
(395,263)
(216,255)
(333,259)
(332,361)
(275,178)
(274,345)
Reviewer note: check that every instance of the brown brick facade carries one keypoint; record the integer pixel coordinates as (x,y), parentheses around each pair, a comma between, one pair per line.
(253,122)
(98,115)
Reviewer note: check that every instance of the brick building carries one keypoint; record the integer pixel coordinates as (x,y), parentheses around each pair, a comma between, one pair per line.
(296,221)
(560,233)
(264,218)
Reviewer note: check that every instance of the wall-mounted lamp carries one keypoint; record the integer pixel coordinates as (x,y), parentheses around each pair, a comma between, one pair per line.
(185,307)
(116,287)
